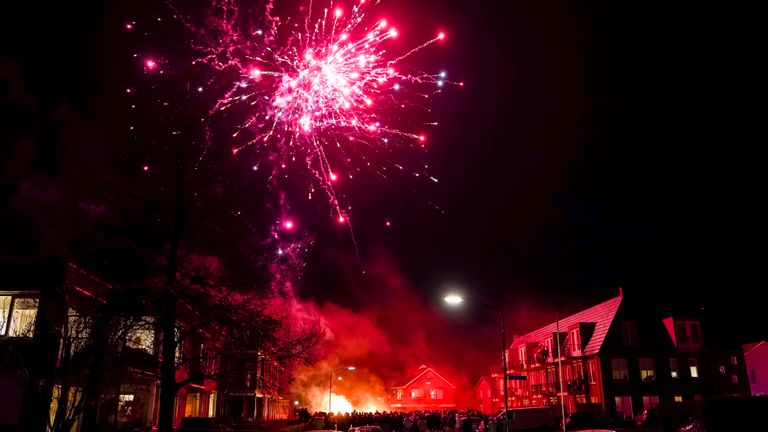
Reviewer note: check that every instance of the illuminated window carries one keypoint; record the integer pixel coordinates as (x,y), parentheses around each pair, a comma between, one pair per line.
(734,379)
(623,407)
(650,401)
(5,308)
(399,394)
(629,333)
(619,369)
(678,398)
(647,370)
(574,342)
(694,366)
(17,316)
(734,360)
(436,393)
(417,393)
(591,371)
(521,353)
(674,369)
(141,337)
(721,368)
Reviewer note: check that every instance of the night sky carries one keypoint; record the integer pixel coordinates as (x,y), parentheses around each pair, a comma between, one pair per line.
(595,145)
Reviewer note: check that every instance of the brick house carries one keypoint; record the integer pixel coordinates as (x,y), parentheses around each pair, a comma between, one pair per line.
(425,390)
(619,357)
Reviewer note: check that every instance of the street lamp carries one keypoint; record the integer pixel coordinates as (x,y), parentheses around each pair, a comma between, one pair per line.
(455,299)
(330,382)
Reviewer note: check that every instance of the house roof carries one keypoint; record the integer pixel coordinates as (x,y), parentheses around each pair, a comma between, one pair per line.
(749,347)
(491,382)
(422,370)
(602,315)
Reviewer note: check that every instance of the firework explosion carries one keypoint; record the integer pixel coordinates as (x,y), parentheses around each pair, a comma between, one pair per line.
(318,89)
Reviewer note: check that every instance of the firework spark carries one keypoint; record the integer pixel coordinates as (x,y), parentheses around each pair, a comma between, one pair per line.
(318,88)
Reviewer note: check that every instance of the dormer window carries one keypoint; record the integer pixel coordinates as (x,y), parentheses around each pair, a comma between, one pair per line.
(574,342)
(688,333)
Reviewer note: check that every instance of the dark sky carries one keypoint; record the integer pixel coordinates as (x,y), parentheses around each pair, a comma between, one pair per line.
(596,144)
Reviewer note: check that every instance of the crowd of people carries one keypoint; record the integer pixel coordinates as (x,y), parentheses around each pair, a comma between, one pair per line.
(414,421)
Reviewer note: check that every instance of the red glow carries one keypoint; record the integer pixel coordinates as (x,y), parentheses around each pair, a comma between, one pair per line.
(150,64)
(288,224)
(337,12)
(332,176)
(129,26)
(441,35)
(422,138)
(388,224)
(145,168)
(255,73)
(342,219)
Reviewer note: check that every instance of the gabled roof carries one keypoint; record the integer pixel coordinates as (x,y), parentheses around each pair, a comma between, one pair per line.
(602,315)
(751,346)
(422,370)
(491,381)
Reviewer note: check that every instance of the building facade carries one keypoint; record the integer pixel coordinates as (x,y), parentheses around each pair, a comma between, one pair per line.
(425,390)
(619,358)
(756,357)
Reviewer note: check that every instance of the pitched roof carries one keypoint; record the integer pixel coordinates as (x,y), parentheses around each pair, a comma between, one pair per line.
(422,370)
(749,347)
(602,315)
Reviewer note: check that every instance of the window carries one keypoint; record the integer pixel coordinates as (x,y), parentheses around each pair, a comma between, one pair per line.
(721,369)
(619,368)
(142,337)
(417,393)
(548,344)
(17,316)
(735,379)
(734,360)
(399,394)
(623,407)
(574,342)
(436,393)
(694,366)
(521,352)
(678,398)
(647,370)
(650,401)
(674,370)
(629,332)
(591,371)
(688,333)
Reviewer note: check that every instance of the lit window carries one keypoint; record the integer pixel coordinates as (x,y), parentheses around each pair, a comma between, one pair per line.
(722,369)
(574,345)
(619,368)
(647,370)
(674,370)
(693,364)
(734,379)
(650,401)
(678,398)
(141,337)
(399,394)
(417,393)
(623,407)
(734,360)
(5,308)
(591,371)
(436,393)
(23,312)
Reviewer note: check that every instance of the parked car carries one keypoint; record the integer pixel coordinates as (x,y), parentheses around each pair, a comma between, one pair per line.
(586,420)
(365,429)
(527,418)
(647,418)
(477,423)
(203,424)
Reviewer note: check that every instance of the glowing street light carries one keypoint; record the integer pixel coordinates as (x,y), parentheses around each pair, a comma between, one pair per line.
(456,299)
(330,382)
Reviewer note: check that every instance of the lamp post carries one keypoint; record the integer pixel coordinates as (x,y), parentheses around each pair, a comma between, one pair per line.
(330,383)
(455,299)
